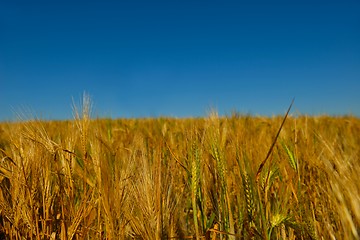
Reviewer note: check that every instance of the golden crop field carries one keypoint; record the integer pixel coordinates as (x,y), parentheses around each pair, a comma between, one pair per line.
(169,178)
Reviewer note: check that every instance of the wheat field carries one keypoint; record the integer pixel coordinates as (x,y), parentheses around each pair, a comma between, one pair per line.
(166,178)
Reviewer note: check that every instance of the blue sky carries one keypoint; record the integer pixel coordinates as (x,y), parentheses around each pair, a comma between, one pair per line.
(179,58)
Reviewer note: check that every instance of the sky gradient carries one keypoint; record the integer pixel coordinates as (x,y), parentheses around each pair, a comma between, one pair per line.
(179,58)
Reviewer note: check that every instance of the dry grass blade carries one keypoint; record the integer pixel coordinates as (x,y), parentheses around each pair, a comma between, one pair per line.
(177,160)
(5,172)
(273,143)
(6,157)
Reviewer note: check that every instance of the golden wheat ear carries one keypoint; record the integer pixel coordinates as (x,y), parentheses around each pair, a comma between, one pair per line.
(273,143)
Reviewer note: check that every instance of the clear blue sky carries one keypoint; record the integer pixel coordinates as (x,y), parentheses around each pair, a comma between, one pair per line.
(179,58)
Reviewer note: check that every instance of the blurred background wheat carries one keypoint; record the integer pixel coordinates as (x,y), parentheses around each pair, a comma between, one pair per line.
(169,178)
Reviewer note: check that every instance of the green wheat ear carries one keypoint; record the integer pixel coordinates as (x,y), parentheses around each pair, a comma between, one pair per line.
(291,156)
(249,197)
(268,178)
(277,219)
(195,179)
(220,166)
